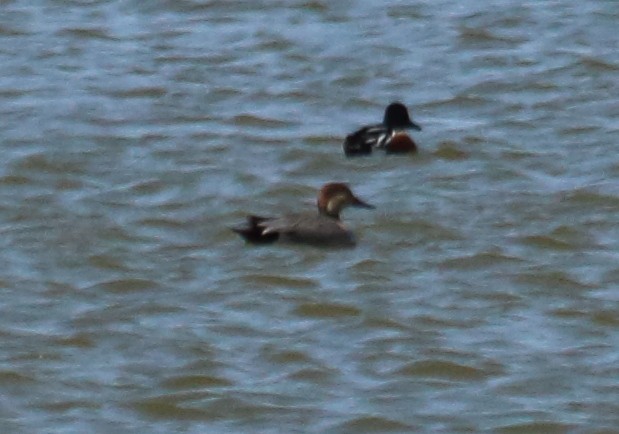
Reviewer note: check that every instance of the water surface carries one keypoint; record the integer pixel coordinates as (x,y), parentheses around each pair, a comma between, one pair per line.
(482,296)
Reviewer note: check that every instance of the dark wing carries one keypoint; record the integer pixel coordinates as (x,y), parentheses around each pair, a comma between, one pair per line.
(363,140)
(254,231)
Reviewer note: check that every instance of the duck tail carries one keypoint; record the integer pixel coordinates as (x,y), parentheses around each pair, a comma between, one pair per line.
(355,144)
(253,232)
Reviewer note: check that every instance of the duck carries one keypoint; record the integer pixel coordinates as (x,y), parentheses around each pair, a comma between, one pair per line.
(388,135)
(323,228)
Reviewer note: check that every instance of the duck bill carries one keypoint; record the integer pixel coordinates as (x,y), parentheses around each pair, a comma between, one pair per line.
(414,126)
(361,204)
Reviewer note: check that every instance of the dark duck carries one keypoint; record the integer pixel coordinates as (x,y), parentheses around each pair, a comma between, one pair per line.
(389,135)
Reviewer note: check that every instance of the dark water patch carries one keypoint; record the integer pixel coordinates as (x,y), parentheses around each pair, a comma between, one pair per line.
(76,340)
(326,310)
(545,242)
(287,356)
(161,223)
(198,58)
(489,87)
(550,281)
(221,93)
(313,5)
(597,64)
(126,285)
(450,150)
(323,140)
(8,31)
(485,38)
(194,381)
(569,237)
(194,7)
(568,313)
(192,119)
(500,299)
(300,96)
(474,140)
(175,406)
(412,12)
(312,375)
(70,185)
(462,100)
(352,80)
(552,386)
(43,162)
(367,265)
(207,407)
(70,405)
(589,197)
(384,323)
(481,260)
(42,354)
(574,130)
(391,51)
(606,318)
(10,377)
(92,319)
(518,155)
(247,120)
(273,42)
(417,230)
(147,186)
(437,368)
(373,424)
(436,322)
(12,94)
(542,427)
(138,92)
(86,33)
(610,277)
(15,180)
(297,163)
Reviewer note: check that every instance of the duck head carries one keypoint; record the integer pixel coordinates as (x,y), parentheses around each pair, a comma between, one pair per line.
(396,117)
(335,196)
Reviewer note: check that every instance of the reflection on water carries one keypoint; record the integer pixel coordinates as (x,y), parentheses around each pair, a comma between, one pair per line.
(482,294)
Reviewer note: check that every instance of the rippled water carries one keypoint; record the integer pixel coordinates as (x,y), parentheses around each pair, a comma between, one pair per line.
(483,294)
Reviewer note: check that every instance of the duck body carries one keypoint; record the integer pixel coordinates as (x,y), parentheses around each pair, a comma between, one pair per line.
(388,135)
(399,143)
(322,228)
(300,228)
(365,139)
